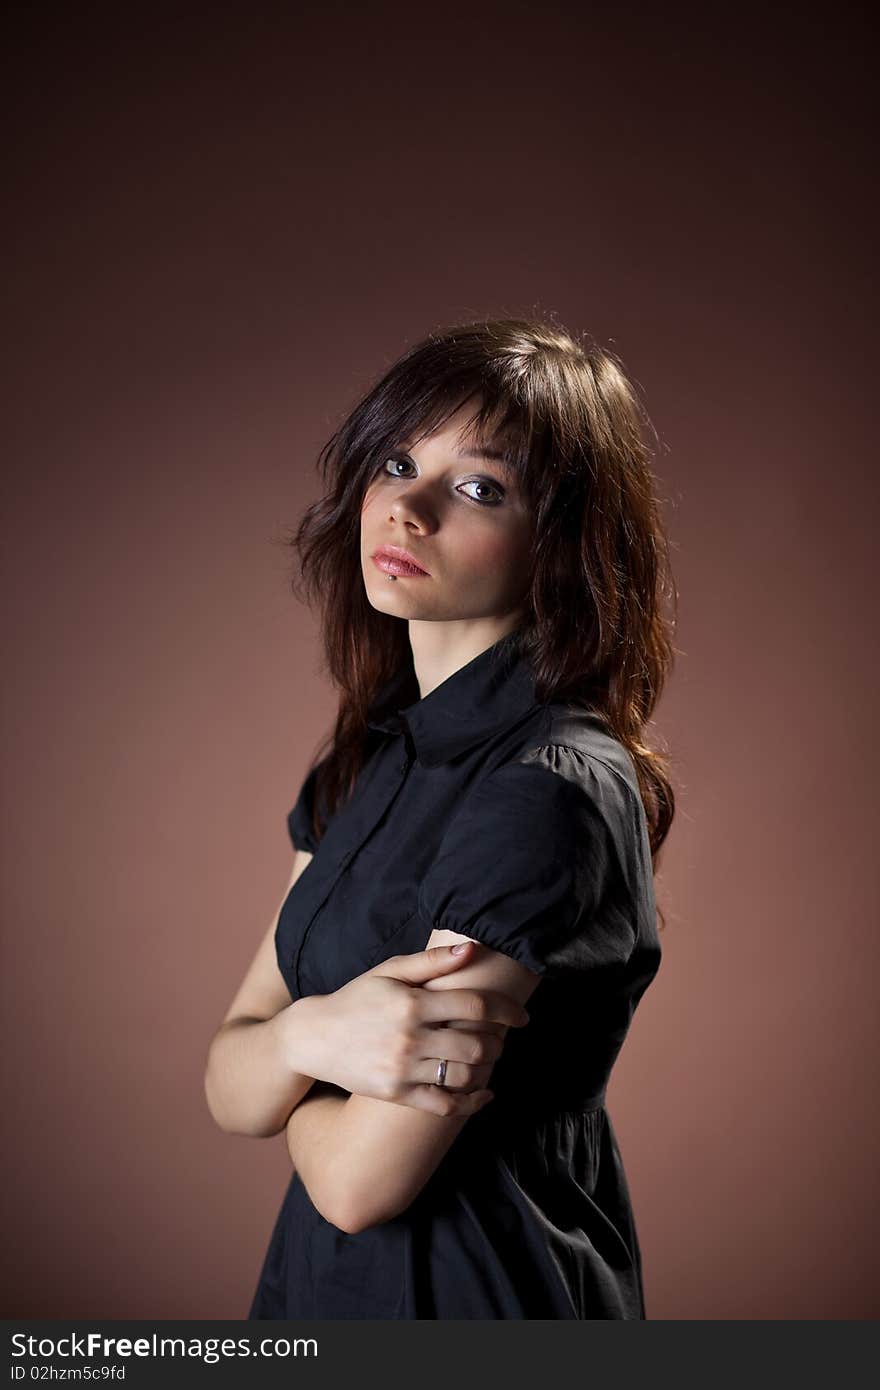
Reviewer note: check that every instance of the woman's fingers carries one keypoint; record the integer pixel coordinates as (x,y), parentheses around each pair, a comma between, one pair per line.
(469,1057)
(456,1045)
(420,966)
(460,1076)
(471,1006)
(440,1101)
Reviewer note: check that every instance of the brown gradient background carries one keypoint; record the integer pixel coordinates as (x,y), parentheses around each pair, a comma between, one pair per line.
(221,229)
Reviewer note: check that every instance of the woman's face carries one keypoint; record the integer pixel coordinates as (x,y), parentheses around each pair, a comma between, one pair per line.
(460,518)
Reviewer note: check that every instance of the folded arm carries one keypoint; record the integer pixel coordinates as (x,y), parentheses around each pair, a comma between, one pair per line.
(364,1161)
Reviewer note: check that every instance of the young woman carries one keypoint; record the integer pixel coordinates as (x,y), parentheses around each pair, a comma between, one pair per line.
(480,835)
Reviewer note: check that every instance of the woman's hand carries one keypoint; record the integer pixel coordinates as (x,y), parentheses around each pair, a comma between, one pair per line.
(382,1035)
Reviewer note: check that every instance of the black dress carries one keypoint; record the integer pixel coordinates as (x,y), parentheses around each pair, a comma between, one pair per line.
(482,812)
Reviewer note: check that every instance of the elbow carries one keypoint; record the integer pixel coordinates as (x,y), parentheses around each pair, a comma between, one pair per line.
(212,1099)
(221,1119)
(345,1222)
(350,1211)
(214,1110)
(339,1210)
(354,1220)
(358,1213)
(233,1124)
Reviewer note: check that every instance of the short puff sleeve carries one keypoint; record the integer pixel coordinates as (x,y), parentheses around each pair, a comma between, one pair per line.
(528,866)
(299,818)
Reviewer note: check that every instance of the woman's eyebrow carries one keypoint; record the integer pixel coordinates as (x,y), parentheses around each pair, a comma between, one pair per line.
(486,451)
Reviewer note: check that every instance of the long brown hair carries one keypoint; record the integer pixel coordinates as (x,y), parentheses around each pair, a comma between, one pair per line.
(596,630)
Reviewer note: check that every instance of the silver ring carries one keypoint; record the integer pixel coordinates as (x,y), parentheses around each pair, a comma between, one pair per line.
(441,1074)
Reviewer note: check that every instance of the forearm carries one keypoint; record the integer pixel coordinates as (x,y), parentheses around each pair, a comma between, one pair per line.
(313,1146)
(340,1145)
(258,1070)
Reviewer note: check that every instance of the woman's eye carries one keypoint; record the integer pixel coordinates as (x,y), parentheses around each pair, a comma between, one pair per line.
(490,487)
(394,462)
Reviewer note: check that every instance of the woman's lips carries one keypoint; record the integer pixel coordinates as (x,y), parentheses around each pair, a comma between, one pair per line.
(392,565)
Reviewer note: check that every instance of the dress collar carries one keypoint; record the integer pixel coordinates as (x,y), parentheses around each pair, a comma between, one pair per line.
(484,697)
